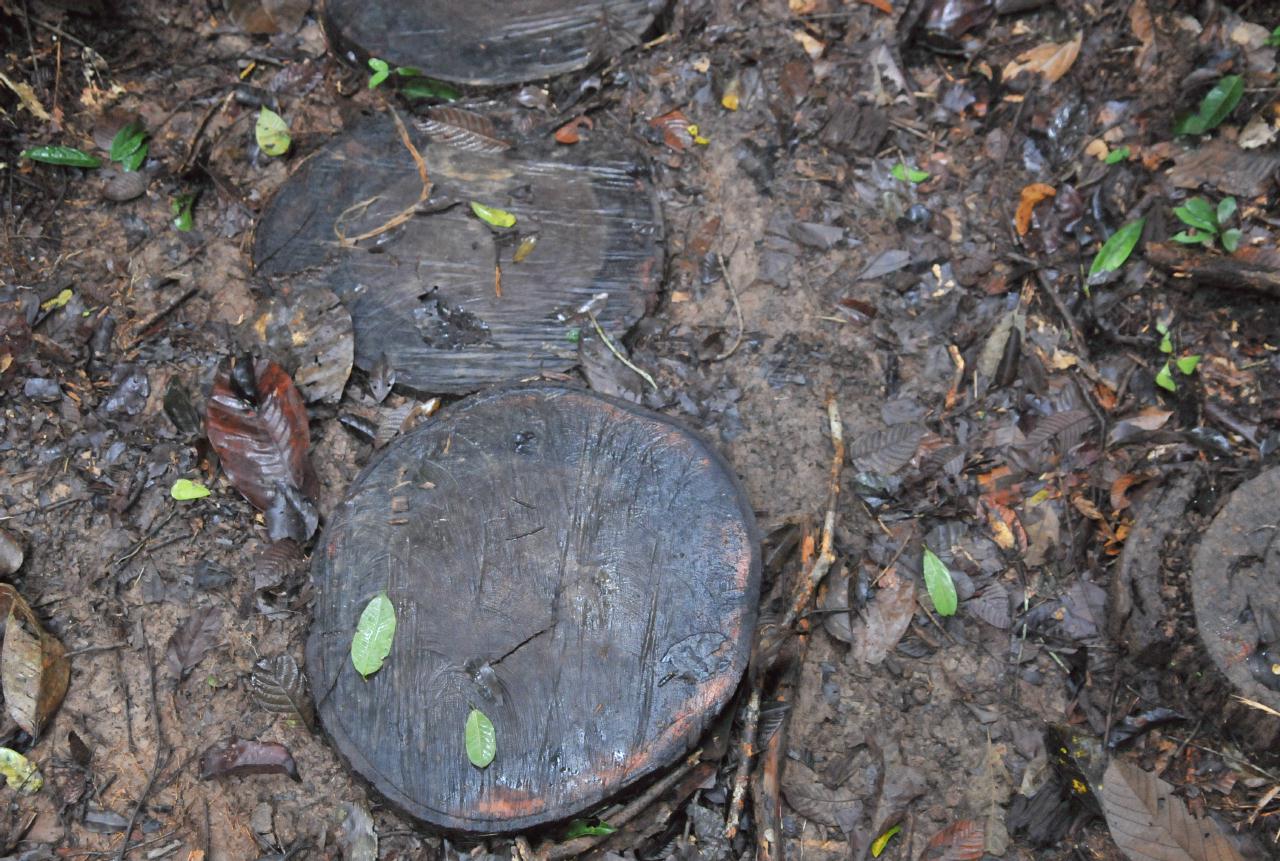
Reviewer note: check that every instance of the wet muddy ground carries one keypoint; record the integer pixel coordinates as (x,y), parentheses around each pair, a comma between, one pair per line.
(843,225)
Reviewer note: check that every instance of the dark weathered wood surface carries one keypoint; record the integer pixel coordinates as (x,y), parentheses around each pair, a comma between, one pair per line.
(584,572)
(424,292)
(485,42)
(1236,589)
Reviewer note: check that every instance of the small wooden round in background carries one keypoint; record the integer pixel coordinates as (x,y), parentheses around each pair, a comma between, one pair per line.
(582,571)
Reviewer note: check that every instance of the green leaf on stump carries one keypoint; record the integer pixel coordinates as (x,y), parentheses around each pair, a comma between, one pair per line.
(374,633)
(482,741)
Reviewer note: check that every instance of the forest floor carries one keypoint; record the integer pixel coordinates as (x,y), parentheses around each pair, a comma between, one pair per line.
(897,213)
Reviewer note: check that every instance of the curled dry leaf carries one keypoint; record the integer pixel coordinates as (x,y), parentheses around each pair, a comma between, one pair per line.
(1027,200)
(813,800)
(236,757)
(1052,60)
(262,437)
(193,640)
(34,670)
(888,614)
(571,132)
(674,126)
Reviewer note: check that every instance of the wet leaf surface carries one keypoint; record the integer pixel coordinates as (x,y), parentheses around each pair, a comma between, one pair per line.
(280,688)
(34,670)
(238,757)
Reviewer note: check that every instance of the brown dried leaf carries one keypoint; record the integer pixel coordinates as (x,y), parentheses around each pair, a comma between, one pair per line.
(887,451)
(571,132)
(266,17)
(674,126)
(960,841)
(1150,823)
(310,330)
(1071,424)
(237,756)
(876,633)
(192,641)
(462,130)
(263,444)
(807,795)
(991,605)
(280,688)
(34,670)
(1051,59)
(1027,200)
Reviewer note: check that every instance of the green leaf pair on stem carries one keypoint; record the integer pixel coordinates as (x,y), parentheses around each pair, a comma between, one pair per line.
(1206,223)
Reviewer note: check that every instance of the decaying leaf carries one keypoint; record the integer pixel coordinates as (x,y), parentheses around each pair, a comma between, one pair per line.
(257,423)
(960,841)
(280,688)
(462,130)
(193,640)
(888,615)
(1052,60)
(991,605)
(34,670)
(571,132)
(674,126)
(277,574)
(309,331)
(1151,823)
(357,835)
(813,800)
(1027,200)
(266,17)
(19,772)
(1069,425)
(886,451)
(236,757)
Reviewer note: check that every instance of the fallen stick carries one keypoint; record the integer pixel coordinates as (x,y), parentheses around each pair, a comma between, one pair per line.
(1250,268)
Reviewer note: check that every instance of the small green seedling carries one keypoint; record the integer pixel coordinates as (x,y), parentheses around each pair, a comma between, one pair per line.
(181,206)
(129,147)
(1117,155)
(416,85)
(1215,107)
(1206,223)
(908,174)
(1116,250)
(1186,364)
(1273,41)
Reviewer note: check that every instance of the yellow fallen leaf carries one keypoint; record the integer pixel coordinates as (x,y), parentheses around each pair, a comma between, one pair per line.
(27,97)
(1051,59)
(57,301)
(811,46)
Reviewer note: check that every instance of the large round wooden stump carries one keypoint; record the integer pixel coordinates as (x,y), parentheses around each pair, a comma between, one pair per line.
(582,571)
(1236,589)
(485,42)
(426,292)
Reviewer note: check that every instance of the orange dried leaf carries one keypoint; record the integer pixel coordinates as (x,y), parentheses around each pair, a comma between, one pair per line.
(1031,195)
(674,126)
(1052,60)
(570,133)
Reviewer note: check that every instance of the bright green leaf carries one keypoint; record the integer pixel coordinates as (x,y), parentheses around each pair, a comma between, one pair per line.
(134,160)
(1226,209)
(1164,379)
(380,71)
(64,155)
(374,632)
(883,840)
(937,579)
(1116,250)
(908,174)
(1185,237)
(272,133)
(1231,239)
(63,297)
(1273,41)
(1166,344)
(19,772)
(1198,213)
(583,828)
(426,88)
(482,741)
(128,140)
(185,490)
(573,336)
(181,207)
(493,216)
(1117,155)
(1216,106)
(1187,364)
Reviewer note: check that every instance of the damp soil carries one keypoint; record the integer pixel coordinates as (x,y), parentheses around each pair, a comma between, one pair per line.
(994,410)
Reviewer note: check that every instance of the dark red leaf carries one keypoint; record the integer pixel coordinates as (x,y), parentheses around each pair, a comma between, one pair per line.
(237,757)
(193,640)
(261,444)
(960,841)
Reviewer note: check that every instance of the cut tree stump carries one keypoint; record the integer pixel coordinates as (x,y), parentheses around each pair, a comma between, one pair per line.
(1236,590)
(426,292)
(485,42)
(582,571)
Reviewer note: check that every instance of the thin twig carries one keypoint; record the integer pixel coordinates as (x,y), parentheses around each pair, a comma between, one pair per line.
(746,751)
(737,309)
(826,552)
(408,212)
(612,349)
(162,751)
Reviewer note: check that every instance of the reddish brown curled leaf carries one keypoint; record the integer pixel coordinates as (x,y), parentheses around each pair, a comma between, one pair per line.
(34,670)
(1031,195)
(674,126)
(960,841)
(237,757)
(264,443)
(570,133)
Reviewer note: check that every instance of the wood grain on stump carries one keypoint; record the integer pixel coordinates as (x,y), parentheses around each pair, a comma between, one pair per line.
(485,42)
(424,292)
(582,571)
(1236,590)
